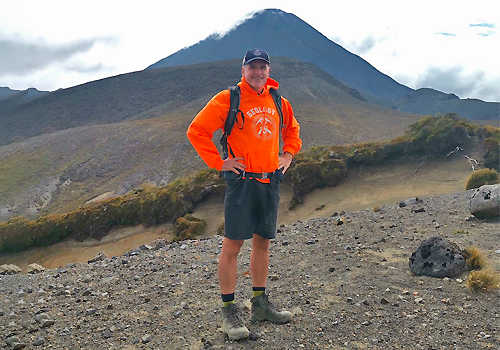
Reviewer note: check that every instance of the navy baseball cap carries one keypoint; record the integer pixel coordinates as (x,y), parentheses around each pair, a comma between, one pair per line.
(256,54)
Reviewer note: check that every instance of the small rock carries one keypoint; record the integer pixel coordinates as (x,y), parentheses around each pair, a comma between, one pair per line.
(99,257)
(253,337)
(247,306)
(39,341)
(296,311)
(9,269)
(35,268)
(15,343)
(46,323)
(146,339)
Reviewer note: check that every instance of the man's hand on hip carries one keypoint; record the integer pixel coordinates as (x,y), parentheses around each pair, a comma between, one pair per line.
(285,161)
(234,165)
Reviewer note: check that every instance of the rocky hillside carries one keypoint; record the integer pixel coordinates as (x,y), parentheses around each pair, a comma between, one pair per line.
(348,285)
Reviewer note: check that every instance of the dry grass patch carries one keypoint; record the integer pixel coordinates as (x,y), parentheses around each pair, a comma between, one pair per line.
(485,280)
(475,259)
(482,177)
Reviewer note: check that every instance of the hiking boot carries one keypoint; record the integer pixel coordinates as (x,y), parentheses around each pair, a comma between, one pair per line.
(263,310)
(231,323)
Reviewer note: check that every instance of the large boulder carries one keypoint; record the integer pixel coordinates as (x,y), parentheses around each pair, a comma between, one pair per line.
(485,202)
(437,257)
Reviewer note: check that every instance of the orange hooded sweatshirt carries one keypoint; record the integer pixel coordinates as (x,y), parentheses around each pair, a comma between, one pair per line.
(257,140)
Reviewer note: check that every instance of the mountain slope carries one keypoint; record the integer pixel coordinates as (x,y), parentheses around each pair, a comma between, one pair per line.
(18,95)
(431,101)
(162,92)
(284,34)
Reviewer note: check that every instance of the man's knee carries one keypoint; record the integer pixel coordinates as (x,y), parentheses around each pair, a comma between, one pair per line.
(231,247)
(260,243)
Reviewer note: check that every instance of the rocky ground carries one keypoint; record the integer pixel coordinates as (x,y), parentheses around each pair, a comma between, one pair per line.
(348,285)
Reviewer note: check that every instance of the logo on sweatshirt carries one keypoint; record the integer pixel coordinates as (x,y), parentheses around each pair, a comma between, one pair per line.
(263,127)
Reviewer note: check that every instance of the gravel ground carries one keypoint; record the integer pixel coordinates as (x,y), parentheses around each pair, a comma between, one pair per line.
(349,287)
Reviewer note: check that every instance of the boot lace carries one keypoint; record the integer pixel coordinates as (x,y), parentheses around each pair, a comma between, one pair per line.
(233,317)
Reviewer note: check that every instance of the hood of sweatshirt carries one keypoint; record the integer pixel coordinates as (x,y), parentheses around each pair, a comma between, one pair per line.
(270,83)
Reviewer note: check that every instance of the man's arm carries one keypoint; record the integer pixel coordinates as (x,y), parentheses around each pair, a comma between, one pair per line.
(291,136)
(211,118)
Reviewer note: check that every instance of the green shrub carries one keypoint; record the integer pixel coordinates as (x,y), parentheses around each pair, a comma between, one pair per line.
(482,177)
(14,235)
(309,175)
(492,154)
(188,227)
(438,134)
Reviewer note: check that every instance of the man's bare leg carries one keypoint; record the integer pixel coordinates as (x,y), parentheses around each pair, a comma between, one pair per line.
(228,267)
(259,260)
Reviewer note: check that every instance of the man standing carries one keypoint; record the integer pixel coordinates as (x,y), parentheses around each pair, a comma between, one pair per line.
(253,172)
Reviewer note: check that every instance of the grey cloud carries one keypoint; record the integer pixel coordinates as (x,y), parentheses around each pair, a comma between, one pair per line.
(454,80)
(446,34)
(366,45)
(359,48)
(487,25)
(20,58)
(86,68)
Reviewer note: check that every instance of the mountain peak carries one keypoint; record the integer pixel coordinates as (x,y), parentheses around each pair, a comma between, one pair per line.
(284,34)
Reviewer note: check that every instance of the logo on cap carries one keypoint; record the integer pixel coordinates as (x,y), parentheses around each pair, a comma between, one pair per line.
(257,52)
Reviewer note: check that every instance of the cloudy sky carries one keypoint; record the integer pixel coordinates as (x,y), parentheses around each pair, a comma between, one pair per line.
(451,46)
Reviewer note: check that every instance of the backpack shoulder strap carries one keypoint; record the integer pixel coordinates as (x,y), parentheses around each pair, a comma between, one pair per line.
(232,115)
(277,101)
(234,106)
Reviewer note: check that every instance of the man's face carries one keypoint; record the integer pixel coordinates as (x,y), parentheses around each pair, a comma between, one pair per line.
(256,74)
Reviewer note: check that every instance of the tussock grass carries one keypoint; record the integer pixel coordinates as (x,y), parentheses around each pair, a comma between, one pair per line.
(189,227)
(482,177)
(485,280)
(475,259)
(482,278)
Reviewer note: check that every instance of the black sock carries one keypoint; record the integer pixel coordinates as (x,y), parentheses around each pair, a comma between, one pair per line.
(227,299)
(258,291)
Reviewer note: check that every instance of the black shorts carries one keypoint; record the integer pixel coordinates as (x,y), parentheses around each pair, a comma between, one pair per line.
(251,210)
